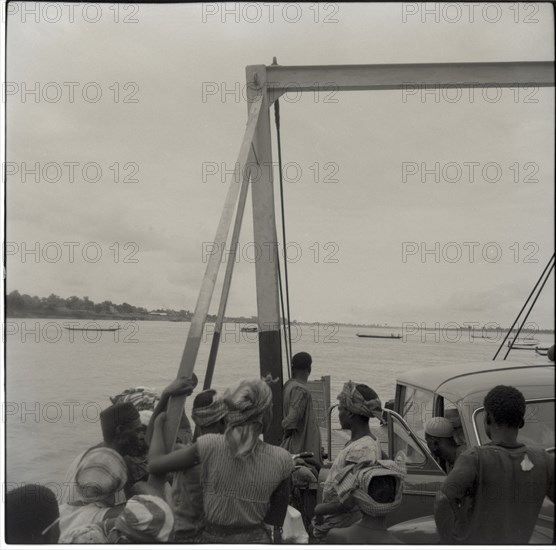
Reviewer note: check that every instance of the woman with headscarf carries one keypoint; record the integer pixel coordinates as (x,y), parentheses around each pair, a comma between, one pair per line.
(246,482)
(357,403)
(100,476)
(376,488)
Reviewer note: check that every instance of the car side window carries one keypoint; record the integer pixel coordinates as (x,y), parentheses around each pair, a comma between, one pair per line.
(404,443)
(417,409)
(539,424)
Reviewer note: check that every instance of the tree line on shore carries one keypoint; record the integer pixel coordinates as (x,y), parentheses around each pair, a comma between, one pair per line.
(24,305)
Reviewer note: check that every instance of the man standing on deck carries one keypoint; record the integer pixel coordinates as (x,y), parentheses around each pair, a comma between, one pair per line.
(301,431)
(495,492)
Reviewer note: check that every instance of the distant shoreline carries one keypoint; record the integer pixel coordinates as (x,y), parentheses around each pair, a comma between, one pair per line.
(91,316)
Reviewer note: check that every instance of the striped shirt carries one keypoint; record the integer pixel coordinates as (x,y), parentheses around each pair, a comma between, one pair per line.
(236,492)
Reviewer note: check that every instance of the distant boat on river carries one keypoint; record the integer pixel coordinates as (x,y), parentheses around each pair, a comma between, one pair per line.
(391,337)
(528,342)
(112,329)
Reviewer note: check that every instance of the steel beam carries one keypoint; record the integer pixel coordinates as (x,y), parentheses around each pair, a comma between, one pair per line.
(265,241)
(280,79)
(268,83)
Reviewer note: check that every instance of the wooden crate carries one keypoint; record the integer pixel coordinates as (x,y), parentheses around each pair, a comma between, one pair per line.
(320,391)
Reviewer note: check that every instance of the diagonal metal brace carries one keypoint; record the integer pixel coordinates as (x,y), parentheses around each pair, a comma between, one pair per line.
(189,356)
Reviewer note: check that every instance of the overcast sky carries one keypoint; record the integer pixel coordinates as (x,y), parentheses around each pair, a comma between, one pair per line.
(355,190)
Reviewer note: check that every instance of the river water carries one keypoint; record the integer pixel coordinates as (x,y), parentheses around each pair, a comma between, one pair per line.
(58,381)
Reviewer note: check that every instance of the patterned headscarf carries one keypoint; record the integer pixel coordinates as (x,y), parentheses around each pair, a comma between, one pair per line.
(145,518)
(354,481)
(209,414)
(249,412)
(143,398)
(351,399)
(101,473)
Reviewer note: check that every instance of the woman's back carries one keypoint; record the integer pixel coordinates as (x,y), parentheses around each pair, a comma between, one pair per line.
(237,491)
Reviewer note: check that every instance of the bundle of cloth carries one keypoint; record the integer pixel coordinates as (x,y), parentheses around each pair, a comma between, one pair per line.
(145,519)
(142,397)
(354,480)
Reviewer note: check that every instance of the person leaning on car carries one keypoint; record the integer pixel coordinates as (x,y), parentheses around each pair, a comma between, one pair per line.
(440,438)
(494,493)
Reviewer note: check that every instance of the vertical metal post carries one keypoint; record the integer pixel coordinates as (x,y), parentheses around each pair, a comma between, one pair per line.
(265,241)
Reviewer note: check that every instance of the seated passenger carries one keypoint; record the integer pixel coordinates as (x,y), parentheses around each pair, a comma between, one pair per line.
(123,433)
(100,476)
(439,435)
(376,490)
(144,400)
(32,515)
(357,404)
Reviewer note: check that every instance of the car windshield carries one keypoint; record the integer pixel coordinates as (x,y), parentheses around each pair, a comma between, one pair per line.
(538,430)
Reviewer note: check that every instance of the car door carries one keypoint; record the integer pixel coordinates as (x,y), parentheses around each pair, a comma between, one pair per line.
(424,475)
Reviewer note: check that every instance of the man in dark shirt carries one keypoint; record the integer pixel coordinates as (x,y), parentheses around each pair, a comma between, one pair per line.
(494,493)
(301,431)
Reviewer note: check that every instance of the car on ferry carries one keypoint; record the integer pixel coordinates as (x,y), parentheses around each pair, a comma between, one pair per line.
(457,392)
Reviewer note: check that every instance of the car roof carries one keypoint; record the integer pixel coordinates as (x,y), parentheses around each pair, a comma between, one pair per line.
(459,380)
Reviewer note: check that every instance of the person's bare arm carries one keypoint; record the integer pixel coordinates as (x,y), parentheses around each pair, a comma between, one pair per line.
(278,508)
(160,462)
(180,386)
(333,507)
(279,503)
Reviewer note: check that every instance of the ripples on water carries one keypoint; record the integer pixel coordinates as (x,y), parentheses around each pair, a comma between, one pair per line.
(64,372)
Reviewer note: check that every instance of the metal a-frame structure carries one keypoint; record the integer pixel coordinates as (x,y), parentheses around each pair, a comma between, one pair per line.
(265,84)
